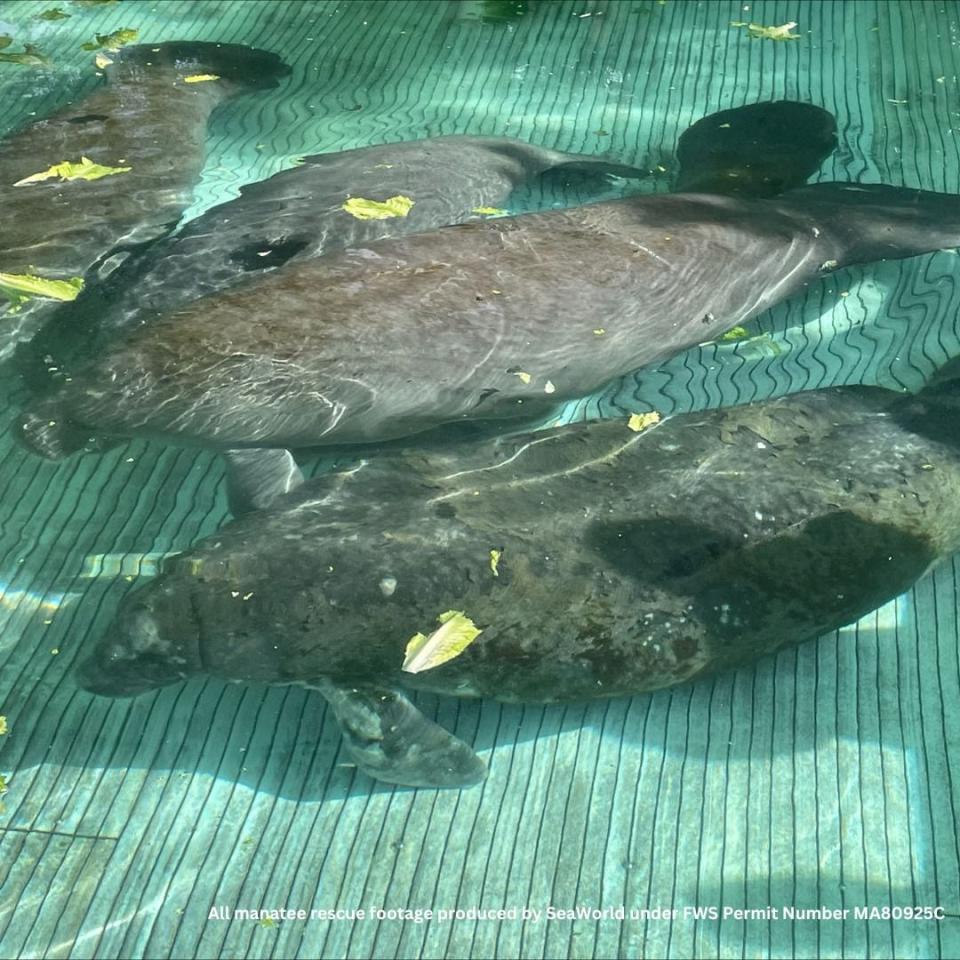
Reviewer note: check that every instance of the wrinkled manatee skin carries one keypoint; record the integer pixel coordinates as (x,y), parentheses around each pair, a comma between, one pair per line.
(627,562)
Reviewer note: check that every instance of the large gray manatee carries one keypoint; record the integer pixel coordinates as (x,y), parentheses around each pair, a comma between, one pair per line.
(297,215)
(493,321)
(596,562)
(146,118)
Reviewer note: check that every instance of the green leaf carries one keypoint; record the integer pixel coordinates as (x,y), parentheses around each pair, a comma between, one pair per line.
(31,56)
(55,14)
(112,41)
(86,169)
(641,421)
(735,333)
(489,211)
(456,633)
(362,209)
(18,287)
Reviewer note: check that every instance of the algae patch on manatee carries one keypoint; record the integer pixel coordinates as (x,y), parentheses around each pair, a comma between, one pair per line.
(456,632)
(86,169)
(363,209)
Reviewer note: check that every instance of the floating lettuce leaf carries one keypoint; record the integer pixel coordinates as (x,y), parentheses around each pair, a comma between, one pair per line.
(456,633)
(362,209)
(201,78)
(640,421)
(523,375)
(735,333)
(3,726)
(3,785)
(31,56)
(495,556)
(86,169)
(102,60)
(55,14)
(112,41)
(759,32)
(19,287)
(489,211)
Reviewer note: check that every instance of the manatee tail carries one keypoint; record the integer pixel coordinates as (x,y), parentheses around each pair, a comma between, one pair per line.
(864,222)
(240,64)
(758,150)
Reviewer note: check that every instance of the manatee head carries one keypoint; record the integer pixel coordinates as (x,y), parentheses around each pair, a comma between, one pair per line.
(153,642)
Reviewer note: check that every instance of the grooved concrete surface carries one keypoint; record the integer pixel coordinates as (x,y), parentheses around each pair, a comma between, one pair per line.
(824,777)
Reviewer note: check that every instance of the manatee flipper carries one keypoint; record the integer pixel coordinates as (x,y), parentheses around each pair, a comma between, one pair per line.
(255,478)
(390,739)
(758,150)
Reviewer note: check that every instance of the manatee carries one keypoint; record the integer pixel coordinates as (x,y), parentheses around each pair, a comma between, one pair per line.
(597,562)
(145,117)
(297,215)
(494,321)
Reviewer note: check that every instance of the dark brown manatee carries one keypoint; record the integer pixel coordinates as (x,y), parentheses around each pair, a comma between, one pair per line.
(493,321)
(147,117)
(758,150)
(298,215)
(597,562)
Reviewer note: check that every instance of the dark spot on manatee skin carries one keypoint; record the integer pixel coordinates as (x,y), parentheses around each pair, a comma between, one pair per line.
(262,254)
(445,510)
(684,648)
(485,395)
(660,550)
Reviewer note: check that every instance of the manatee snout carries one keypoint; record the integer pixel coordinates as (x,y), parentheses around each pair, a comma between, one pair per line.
(143,650)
